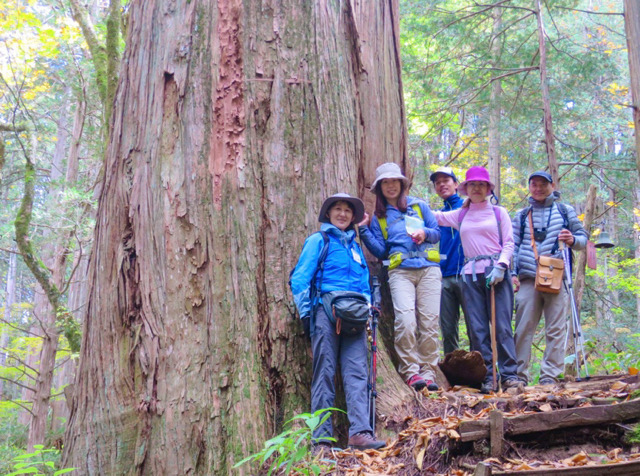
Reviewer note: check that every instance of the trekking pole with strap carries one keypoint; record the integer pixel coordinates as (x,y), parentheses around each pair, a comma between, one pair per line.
(376,301)
(578,337)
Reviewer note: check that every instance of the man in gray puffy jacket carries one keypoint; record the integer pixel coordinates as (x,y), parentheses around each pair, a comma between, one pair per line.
(553,222)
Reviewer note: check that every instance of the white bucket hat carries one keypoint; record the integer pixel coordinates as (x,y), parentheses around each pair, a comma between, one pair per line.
(390,170)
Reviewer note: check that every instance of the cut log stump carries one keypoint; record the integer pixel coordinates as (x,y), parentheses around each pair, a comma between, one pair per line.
(464,368)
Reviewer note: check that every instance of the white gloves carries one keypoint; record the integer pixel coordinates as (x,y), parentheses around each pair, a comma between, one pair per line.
(495,276)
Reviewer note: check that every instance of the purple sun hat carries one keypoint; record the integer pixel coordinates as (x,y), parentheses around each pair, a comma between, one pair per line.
(476,174)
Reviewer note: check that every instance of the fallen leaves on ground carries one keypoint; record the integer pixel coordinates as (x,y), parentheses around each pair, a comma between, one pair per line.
(423,444)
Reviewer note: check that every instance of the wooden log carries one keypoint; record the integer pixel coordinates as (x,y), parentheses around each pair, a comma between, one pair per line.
(616,469)
(496,432)
(471,430)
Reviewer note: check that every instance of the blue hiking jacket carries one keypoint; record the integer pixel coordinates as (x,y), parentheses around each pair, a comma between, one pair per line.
(345,268)
(398,239)
(450,244)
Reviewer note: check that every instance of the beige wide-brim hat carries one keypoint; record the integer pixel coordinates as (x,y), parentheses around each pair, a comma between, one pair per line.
(389,170)
(357,204)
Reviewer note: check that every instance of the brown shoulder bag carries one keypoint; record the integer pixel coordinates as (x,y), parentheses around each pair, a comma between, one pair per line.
(549,271)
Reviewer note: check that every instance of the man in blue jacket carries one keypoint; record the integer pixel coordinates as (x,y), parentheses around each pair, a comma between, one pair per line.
(446,186)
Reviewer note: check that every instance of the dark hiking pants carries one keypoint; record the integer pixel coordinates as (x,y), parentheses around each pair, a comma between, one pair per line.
(350,352)
(450,303)
(478,304)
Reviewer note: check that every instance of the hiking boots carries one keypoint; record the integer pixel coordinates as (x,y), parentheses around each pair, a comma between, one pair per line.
(513,383)
(365,441)
(432,386)
(487,387)
(416,382)
(546,381)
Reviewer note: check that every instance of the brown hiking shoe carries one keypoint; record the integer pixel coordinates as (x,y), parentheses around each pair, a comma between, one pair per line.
(365,441)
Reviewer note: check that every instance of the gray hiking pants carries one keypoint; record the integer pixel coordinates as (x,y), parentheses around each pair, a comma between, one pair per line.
(530,305)
(350,352)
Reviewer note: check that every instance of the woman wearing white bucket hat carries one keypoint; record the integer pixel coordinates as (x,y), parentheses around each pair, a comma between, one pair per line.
(400,233)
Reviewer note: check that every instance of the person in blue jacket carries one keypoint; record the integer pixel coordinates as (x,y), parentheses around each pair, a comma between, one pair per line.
(344,269)
(445,184)
(401,231)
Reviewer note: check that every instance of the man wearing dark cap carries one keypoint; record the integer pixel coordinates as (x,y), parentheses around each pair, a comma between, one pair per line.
(446,186)
(553,223)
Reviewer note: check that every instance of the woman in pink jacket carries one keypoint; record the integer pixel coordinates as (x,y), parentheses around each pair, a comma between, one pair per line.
(487,240)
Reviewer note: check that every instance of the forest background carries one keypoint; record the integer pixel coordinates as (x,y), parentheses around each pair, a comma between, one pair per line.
(473,96)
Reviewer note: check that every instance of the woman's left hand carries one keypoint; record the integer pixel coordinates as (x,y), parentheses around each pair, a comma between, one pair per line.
(418,237)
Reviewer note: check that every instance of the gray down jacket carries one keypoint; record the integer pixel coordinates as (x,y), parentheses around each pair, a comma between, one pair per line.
(524,263)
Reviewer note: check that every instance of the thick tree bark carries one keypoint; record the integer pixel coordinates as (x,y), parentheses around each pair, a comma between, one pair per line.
(549,137)
(232,121)
(632,29)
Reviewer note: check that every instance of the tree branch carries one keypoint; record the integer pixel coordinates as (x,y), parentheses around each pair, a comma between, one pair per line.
(33,261)
(590,12)
(13,326)
(7,379)
(113,55)
(97,50)
(12,128)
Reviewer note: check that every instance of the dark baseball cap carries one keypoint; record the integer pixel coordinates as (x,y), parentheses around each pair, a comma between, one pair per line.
(445,171)
(543,174)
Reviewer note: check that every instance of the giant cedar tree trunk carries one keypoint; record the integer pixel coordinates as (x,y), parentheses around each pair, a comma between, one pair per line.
(232,121)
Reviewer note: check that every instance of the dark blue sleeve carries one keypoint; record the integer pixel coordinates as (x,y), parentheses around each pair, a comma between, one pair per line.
(431,228)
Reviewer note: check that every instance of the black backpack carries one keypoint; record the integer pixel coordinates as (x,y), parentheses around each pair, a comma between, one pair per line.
(317,282)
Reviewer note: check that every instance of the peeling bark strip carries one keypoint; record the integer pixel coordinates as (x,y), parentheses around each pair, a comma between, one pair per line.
(228,108)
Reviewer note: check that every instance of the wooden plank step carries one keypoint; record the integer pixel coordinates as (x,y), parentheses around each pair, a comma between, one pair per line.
(471,430)
(616,469)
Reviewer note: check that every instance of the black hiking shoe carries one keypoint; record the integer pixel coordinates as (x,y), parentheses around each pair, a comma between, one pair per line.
(487,387)
(432,386)
(416,382)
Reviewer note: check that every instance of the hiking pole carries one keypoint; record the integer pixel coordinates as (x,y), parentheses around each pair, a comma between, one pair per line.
(494,344)
(373,370)
(578,337)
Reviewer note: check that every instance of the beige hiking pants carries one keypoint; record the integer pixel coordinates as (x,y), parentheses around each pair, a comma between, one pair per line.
(416,302)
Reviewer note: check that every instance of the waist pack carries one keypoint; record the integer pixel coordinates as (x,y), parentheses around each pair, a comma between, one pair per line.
(397,258)
(348,310)
(549,274)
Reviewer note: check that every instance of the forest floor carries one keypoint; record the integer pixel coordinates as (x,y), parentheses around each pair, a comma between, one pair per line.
(567,428)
